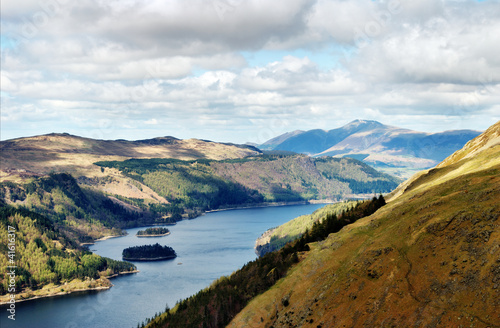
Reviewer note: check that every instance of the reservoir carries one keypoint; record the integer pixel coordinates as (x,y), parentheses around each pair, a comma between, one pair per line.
(208,247)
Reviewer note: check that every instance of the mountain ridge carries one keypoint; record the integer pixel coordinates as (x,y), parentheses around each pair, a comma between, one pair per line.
(427,258)
(394,150)
(63,152)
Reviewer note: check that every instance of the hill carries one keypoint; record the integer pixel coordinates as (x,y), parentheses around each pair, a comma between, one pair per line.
(46,261)
(202,185)
(40,155)
(394,150)
(428,258)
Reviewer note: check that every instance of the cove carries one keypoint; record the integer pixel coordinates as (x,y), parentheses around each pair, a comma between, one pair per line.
(208,247)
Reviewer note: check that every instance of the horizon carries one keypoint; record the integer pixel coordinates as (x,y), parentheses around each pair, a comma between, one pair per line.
(230,141)
(243,71)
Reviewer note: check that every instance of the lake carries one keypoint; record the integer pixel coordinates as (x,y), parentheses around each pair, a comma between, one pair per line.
(207,247)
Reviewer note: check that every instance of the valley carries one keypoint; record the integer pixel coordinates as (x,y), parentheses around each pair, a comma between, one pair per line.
(243,164)
(114,188)
(427,258)
(93,189)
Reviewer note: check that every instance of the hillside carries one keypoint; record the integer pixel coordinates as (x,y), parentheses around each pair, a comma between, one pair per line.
(39,155)
(46,261)
(81,214)
(202,185)
(275,238)
(394,150)
(428,258)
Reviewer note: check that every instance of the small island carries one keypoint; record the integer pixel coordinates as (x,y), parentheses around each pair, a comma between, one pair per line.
(153,232)
(154,252)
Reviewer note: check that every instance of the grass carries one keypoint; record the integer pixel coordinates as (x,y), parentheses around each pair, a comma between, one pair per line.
(275,238)
(396,267)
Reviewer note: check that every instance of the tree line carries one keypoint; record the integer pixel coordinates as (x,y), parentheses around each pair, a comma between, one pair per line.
(216,305)
(43,255)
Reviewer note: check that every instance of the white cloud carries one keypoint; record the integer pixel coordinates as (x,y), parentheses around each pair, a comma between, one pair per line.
(138,63)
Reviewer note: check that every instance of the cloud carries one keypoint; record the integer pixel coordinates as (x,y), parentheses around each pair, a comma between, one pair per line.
(183,64)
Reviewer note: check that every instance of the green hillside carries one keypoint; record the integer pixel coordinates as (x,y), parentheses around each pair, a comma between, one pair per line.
(46,261)
(81,214)
(206,184)
(276,238)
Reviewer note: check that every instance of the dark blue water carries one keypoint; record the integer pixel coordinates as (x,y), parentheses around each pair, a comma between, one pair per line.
(207,248)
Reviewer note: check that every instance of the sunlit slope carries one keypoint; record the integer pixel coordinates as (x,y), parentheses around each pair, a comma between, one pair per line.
(459,163)
(428,258)
(54,152)
(277,237)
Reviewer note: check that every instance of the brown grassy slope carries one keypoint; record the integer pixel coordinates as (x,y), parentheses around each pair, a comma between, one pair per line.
(488,139)
(66,153)
(484,142)
(430,258)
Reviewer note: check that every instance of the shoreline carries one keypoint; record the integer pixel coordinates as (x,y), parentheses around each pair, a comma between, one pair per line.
(273,204)
(81,290)
(103,238)
(59,294)
(121,273)
(109,237)
(163,234)
(144,259)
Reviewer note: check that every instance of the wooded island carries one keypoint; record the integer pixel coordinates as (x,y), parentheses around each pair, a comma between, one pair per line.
(153,232)
(154,252)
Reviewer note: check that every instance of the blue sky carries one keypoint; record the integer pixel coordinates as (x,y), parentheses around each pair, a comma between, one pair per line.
(238,71)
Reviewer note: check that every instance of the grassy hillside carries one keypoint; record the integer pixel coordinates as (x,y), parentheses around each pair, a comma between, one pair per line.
(276,238)
(428,258)
(58,153)
(47,262)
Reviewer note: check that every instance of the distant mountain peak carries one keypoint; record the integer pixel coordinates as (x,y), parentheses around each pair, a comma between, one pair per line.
(364,125)
(364,122)
(396,150)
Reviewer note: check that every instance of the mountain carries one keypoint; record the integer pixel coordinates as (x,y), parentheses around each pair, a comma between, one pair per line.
(272,143)
(56,152)
(87,189)
(394,150)
(207,184)
(427,258)
(90,187)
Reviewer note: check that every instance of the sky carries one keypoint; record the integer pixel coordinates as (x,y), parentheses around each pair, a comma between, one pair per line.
(246,70)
